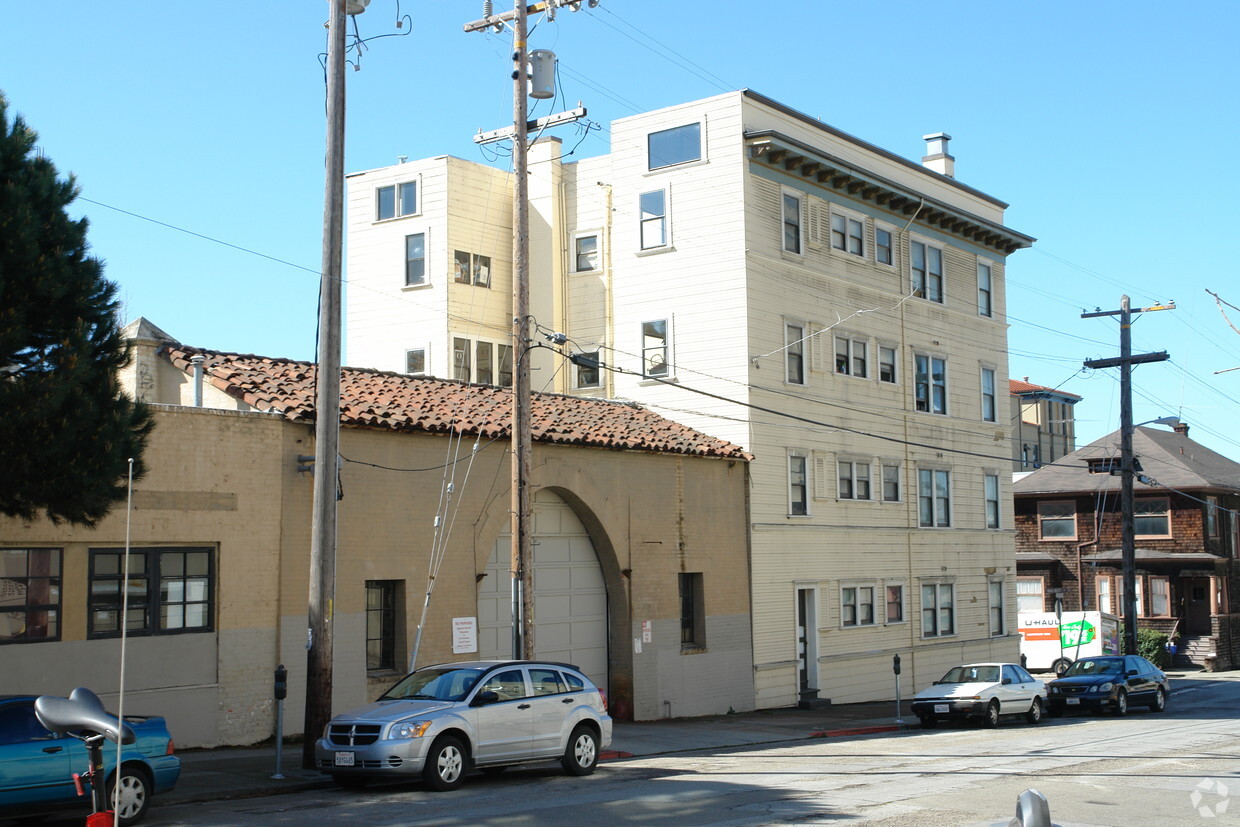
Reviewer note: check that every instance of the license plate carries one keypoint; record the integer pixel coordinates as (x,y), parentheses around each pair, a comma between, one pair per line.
(942,708)
(344,759)
(1072,701)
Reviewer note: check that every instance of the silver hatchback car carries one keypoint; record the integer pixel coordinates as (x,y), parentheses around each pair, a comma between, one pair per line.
(440,721)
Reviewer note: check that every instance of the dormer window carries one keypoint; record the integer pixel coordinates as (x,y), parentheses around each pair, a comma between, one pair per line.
(1106,465)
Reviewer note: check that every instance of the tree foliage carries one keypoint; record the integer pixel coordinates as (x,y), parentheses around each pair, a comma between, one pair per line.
(67,431)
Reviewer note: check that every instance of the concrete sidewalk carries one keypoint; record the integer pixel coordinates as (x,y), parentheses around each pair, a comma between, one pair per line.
(218,774)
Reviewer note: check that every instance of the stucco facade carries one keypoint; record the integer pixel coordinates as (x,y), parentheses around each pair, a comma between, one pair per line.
(834,308)
(226,479)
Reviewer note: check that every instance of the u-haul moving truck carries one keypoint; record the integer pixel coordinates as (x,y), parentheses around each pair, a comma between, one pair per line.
(1050,644)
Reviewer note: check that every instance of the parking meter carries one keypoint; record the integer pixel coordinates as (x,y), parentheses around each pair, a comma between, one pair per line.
(281,683)
(895,664)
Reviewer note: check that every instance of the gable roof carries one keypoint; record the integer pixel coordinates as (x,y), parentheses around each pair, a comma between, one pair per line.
(1170,459)
(1018,388)
(397,402)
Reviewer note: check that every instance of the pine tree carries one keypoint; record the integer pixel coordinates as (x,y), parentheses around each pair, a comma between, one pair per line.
(67,430)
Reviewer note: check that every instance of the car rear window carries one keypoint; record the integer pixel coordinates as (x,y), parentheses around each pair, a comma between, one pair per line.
(575,683)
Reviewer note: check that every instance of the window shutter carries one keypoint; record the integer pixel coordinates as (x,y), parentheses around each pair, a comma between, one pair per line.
(821,479)
(817,360)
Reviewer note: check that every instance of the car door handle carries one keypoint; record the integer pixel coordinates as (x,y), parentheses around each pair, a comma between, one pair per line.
(51,750)
(523,706)
(567,701)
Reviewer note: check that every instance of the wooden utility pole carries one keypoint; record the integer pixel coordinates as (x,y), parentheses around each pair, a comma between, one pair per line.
(1127,472)
(327,407)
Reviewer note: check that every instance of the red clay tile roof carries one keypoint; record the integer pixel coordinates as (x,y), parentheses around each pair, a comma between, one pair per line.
(394,401)
(1015,386)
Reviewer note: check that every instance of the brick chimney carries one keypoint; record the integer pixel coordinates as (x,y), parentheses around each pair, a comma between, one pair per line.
(1181,428)
(937,157)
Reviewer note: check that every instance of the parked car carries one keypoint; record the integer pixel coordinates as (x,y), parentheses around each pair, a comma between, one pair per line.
(37,766)
(1114,682)
(440,721)
(982,691)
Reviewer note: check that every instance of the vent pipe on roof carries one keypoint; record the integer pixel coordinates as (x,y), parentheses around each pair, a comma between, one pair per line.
(937,157)
(197,361)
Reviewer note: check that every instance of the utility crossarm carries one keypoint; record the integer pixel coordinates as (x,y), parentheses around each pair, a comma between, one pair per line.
(498,20)
(536,125)
(1117,361)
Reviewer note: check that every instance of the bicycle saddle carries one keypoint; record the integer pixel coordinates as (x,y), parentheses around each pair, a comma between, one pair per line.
(82,710)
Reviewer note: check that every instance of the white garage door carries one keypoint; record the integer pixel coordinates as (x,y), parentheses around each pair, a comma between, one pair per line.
(570,598)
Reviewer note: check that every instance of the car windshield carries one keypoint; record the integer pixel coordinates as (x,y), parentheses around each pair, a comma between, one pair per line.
(1095,667)
(971,674)
(435,683)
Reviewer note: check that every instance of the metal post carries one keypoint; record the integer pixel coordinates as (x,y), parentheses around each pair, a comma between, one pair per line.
(279,739)
(327,406)
(895,667)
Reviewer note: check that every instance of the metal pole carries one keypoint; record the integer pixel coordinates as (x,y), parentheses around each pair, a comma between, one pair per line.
(1127,506)
(327,406)
(522,565)
(279,739)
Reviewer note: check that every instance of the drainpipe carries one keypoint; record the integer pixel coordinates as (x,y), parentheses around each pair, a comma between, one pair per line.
(197,363)
(1080,566)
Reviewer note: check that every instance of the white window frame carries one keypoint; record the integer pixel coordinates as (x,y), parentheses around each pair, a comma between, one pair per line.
(797,456)
(992,397)
(426,269)
(986,288)
(794,352)
(923,291)
(701,156)
(597,235)
(902,601)
(851,221)
(858,588)
(932,405)
(894,248)
(578,367)
(1024,593)
(930,484)
(899,481)
(665,219)
(647,351)
(992,514)
(426,360)
(398,199)
(1104,594)
(799,199)
(852,347)
(1164,596)
(852,475)
(1117,592)
(496,356)
(894,350)
(996,601)
(935,627)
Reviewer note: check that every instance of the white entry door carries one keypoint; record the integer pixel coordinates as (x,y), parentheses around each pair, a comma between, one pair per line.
(570,597)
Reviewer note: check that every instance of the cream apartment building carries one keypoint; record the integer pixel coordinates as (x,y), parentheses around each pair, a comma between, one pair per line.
(758,275)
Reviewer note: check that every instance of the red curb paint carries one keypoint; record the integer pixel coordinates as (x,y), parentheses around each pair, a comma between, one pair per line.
(861,730)
(611,755)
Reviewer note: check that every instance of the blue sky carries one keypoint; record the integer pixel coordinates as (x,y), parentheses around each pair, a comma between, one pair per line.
(1110,129)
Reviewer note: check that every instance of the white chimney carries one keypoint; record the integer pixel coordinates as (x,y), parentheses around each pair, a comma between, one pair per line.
(937,157)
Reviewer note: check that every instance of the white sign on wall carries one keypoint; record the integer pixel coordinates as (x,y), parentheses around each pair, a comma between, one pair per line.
(464,635)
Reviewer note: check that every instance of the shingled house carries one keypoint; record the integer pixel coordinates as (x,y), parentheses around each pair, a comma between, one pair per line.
(1187,535)
(640,556)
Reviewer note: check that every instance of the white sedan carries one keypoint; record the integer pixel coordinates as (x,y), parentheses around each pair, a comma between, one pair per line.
(985,691)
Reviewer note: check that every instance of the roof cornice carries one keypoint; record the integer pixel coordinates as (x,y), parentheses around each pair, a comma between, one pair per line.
(789,155)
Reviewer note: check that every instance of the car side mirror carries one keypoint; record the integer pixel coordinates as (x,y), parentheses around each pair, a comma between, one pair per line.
(484,698)
(1132,672)
(1006,681)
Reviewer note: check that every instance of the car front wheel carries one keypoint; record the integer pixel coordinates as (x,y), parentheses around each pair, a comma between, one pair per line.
(581,754)
(1160,700)
(1034,715)
(445,764)
(992,713)
(135,794)
(927,721)
(1121,703)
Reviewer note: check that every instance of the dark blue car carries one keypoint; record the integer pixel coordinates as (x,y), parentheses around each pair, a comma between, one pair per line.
(37,766)
(1111,682)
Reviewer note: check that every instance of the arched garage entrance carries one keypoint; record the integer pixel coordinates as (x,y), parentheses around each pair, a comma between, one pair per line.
(570,596)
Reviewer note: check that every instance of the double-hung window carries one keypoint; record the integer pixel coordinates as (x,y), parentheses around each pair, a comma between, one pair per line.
(989,404)
(587,369)
(930,384)
(396,200)
(792,223)
(934,503)
(985,297)
(891,483)
(655,350)
(1153,517)
(585,253)
(415,361)
(886,364)
(653,226)
(990,490)
(29,594)
(884,249)
(926,268)
(851,357)
(169,590)
(678,145)
(798,485)
(854,480)
(1057,520)
(381,597)
(997,608)
(415,259)
(857,606)
(938,609)
(1030,594)
(1160,597)
(472,268)
(895,602)
(692,610)
(847,234)
(794,353)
